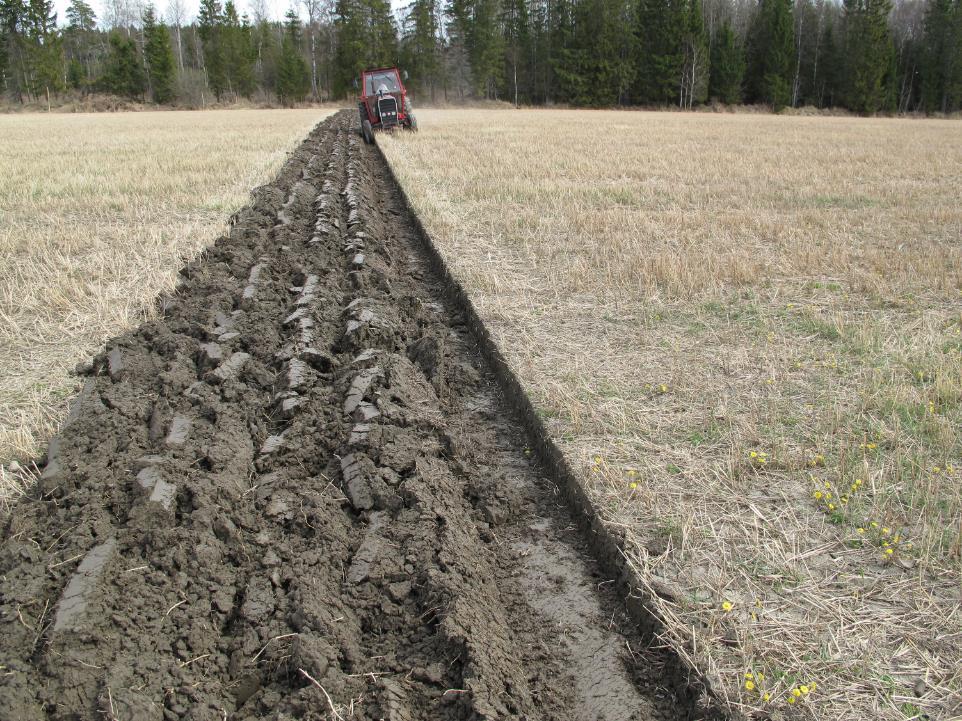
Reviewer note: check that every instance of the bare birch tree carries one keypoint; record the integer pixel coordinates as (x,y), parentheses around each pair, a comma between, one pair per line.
(176,16)
(313,8)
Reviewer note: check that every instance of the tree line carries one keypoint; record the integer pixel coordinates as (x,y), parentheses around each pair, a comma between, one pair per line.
(864,55)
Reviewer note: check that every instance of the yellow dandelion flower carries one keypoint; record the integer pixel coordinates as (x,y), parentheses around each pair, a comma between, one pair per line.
(828,496)
(935,469)
(597,459)
(804,689)
(812,686)
(632,485)
(753,454)
(860,530)
(874,524)
(791,699)
(870,446)
(727,606)
(895,538)
(749,674)
(831,506)
(818,495)
(889,551)
(750,685)
(766,697)
(886,530)
(796,692)
(663,388)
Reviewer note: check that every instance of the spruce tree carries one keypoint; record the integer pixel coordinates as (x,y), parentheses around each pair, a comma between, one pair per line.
(727,66)
(351,43)
(123,73)
(420,46)
(265,51)
(10,12)
(592,68)
(486,48)
(457,59)
(80,43)
(869,53)
(942,68)
(43,48)
(293,76)
(238,52)
(210,26)
(661,29)
(159,58)
(771,54)
(382,46)
(830,91)
(365,37)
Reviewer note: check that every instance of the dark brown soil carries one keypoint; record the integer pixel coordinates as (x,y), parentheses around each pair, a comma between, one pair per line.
(299,495)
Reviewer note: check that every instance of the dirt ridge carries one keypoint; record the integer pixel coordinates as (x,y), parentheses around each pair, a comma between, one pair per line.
(299,494)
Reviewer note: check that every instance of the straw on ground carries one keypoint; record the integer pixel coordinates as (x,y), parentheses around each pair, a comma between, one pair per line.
(746,331)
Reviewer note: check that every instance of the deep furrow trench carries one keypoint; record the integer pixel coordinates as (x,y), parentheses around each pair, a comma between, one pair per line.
(298,494)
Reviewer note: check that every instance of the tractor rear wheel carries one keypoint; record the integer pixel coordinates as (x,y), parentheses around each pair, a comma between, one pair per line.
(367,132)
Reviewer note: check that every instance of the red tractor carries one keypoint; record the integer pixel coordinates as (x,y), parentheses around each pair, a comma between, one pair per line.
(384,103)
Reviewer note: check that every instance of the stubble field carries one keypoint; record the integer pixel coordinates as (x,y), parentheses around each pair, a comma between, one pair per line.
(97,213)
(745,330)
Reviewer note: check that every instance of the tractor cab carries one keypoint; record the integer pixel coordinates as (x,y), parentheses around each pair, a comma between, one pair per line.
(384,103)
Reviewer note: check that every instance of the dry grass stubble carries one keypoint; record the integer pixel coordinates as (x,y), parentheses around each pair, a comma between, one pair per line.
(97,214)
(746,330)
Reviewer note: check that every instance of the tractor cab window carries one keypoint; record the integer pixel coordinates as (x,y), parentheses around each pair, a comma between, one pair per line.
(380,82)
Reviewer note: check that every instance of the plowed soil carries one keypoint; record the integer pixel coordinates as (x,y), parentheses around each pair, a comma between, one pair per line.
(299,494)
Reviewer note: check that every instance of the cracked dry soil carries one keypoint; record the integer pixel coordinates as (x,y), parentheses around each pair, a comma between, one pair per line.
(298,494)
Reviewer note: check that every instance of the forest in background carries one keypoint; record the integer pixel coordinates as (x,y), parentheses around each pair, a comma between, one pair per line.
(866,56)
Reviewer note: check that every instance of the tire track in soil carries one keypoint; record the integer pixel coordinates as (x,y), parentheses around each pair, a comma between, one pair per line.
(298,494)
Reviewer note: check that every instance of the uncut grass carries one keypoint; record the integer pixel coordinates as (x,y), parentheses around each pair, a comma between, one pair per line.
(745,330)
(97,214)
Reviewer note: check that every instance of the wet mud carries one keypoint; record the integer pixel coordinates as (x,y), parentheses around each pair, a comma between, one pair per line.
(300,494)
